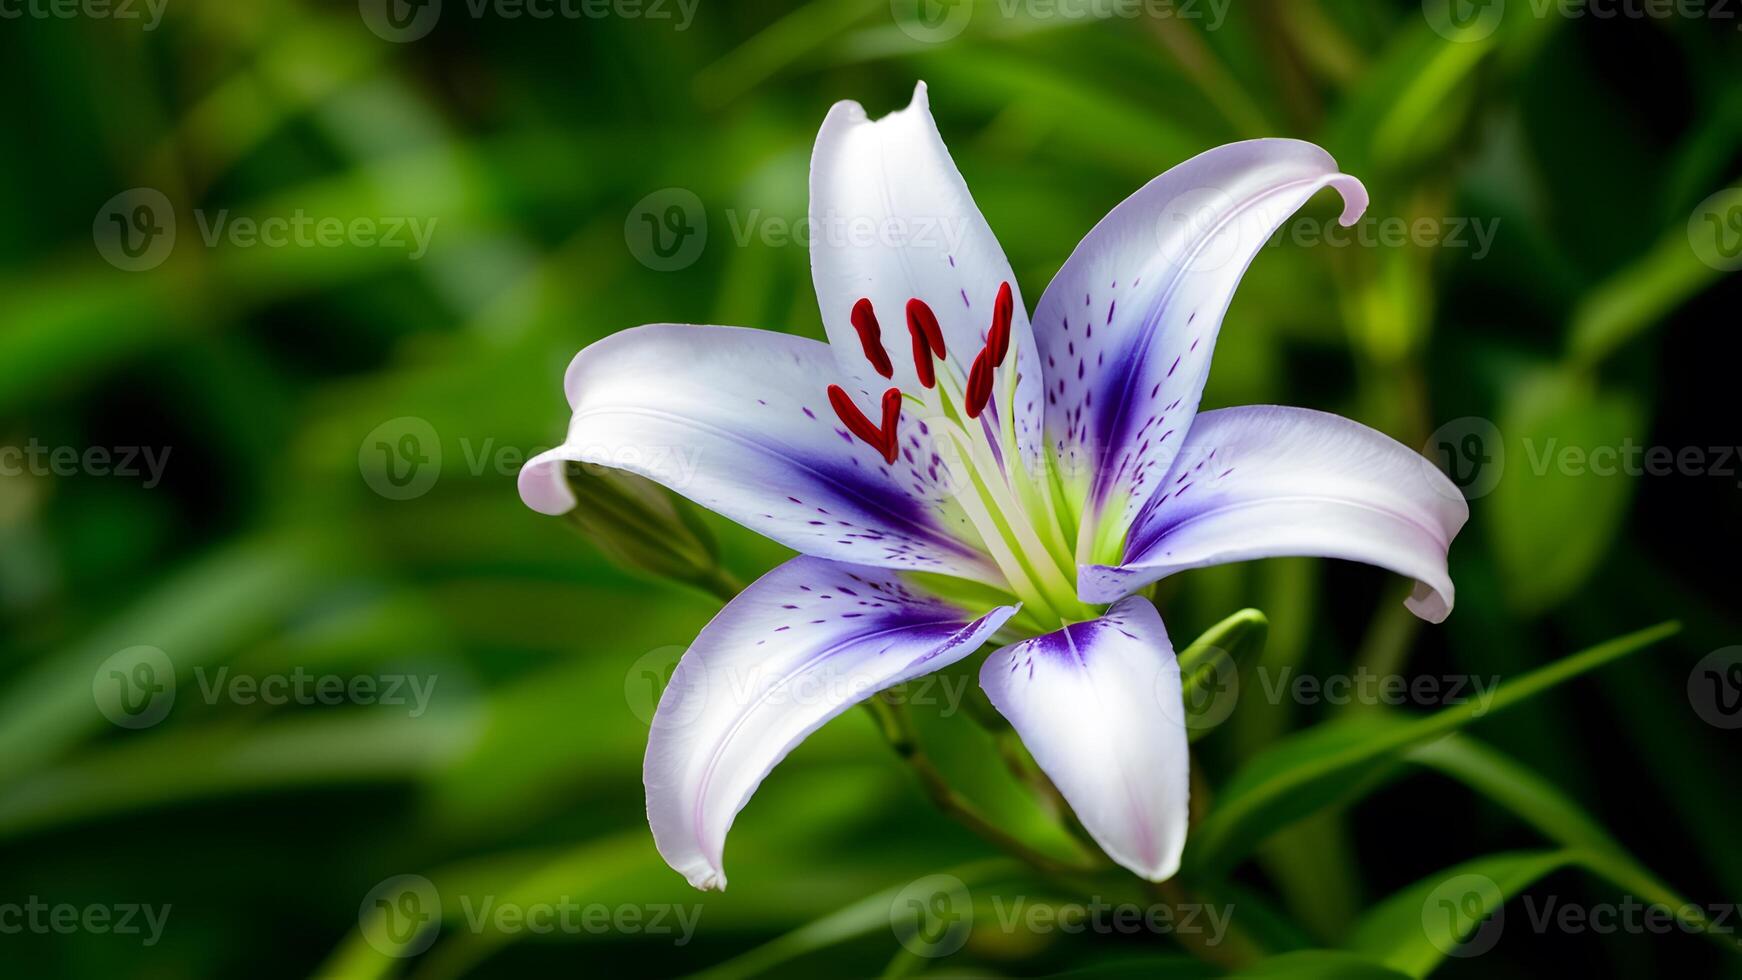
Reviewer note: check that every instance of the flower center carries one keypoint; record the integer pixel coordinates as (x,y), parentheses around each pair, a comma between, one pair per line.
(1013,510)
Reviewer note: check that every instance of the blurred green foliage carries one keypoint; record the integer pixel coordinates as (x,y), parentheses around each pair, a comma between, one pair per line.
(283,539)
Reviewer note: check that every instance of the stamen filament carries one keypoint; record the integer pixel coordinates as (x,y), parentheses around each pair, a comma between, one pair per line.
(1014,518)
(1014,511)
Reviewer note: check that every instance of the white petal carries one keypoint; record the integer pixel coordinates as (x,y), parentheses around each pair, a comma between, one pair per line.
(1265,481)
(1099,706)
(892,220)
(739,421)
(1127,327)
(801,645)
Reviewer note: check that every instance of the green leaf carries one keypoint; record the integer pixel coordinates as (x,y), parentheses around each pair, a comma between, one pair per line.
(1403,104)
(1560,502)
(1330,964)
(862,918)
(1145,968)
(1329,764)
(1521,791)
(1265,922)
(198,616)
(1635,298)
(1541,804)
(1310,964)
(790,39)
(1456,912)
(1418,927)
(363,746)
(1103,123)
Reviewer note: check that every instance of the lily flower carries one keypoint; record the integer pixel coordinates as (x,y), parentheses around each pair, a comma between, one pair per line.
(954,472)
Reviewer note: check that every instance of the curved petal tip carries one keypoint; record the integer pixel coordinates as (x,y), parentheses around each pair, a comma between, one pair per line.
(1354,198)
(542,486)
(705,878)
(1429,603)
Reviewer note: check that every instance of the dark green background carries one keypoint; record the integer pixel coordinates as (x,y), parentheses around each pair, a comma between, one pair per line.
(1593,320)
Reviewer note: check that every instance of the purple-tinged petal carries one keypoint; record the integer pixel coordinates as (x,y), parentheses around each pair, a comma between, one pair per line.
(1099,706)
(739,421)
(798,647)
(1127,327)
(1266,481)
(891,220)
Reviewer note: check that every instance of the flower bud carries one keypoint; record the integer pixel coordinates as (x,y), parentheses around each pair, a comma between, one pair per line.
(643,526)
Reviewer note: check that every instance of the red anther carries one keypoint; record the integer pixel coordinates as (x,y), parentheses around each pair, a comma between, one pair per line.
(980,383)
(922,357)
(998,337)
(921,318)
(871,337)
(891,423)
(883,440)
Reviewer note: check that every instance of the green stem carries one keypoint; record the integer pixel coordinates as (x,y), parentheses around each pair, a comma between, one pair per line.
(1235,949)
(1027,772)
(897,728)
